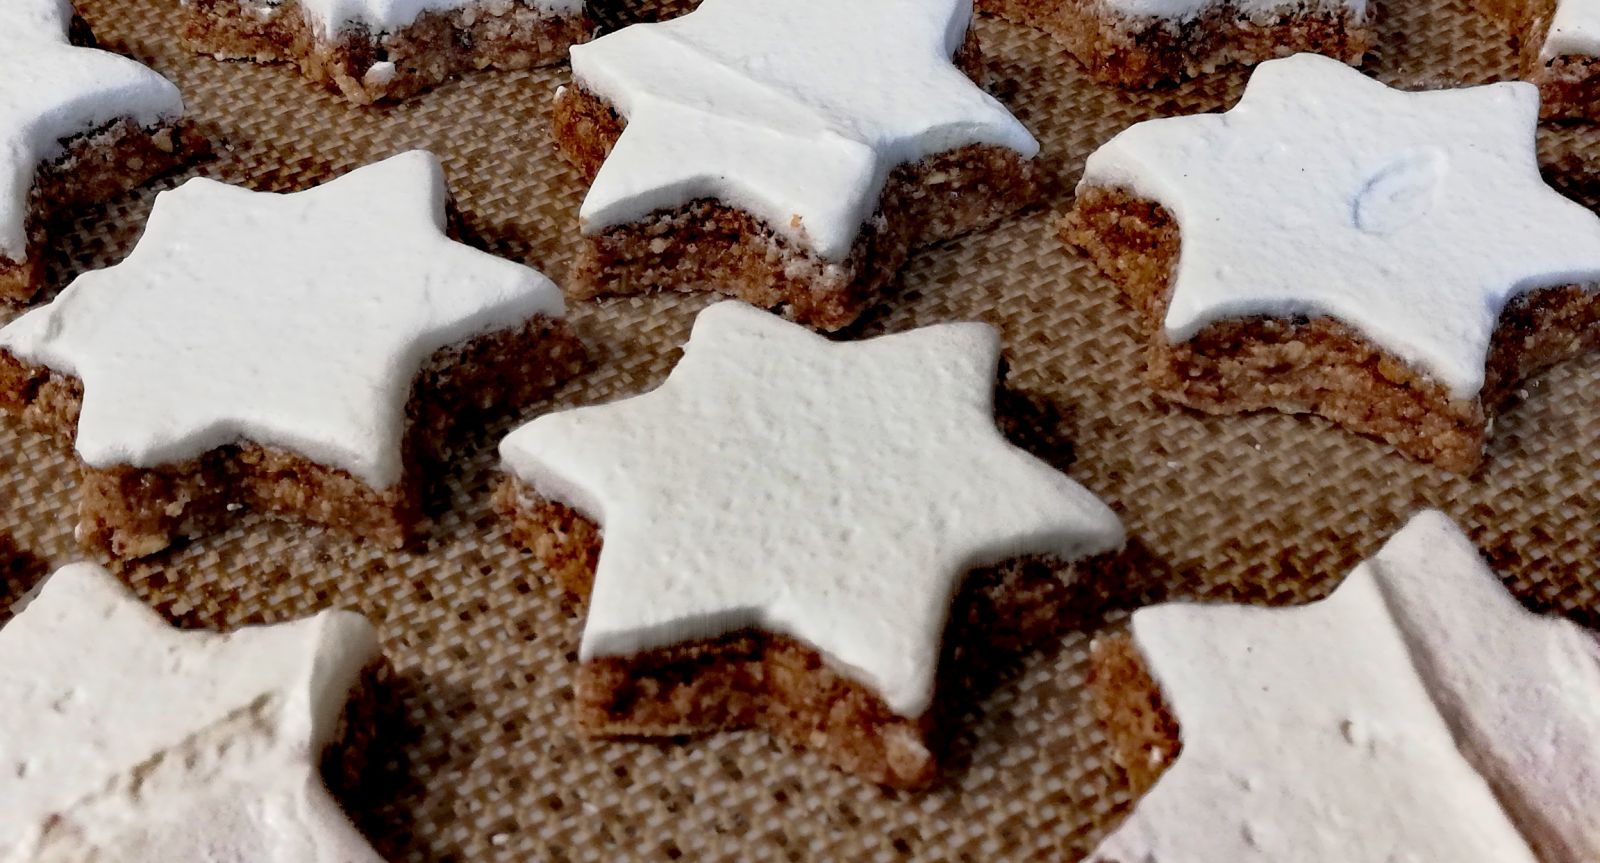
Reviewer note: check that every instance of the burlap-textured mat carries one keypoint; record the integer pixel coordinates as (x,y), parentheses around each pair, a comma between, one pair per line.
(484,763)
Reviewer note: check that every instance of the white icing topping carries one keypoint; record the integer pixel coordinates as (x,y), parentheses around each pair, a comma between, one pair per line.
(382,16)
(1418,713)
(51,91)
(833,492)
(1412,217)
(298,321)
(793,110)
(1255,10)
(124,739)
(1574,29)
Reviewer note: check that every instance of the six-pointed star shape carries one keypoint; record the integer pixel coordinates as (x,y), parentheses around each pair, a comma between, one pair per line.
(1412,217)
(794,110)
(1418,713)
(51,90)
(124,739)
(297,321)
(833,492)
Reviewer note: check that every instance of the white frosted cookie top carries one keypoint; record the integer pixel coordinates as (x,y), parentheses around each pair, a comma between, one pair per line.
(381,16)
(298,321)
(1574,29)
(1186,10)
(792,110)
(833,492)
(1412,217)
(51,91)
(124,739)
(1385,723)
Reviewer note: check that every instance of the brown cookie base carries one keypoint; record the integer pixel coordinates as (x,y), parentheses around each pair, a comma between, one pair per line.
(1142,732)
(1143,51)
(129,512)
(707,245)
(753,679)
(1569,85)
(1319,365)
(497,34)
(97,166)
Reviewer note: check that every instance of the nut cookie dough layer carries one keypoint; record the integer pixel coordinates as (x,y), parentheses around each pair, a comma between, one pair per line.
(709,245)
(752,679)
(368,67)
(1142,51)
(130,512)
(1319,365)
(96,166)
(1569,84)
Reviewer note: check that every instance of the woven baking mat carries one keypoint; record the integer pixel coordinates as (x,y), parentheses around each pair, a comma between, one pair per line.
(481,760)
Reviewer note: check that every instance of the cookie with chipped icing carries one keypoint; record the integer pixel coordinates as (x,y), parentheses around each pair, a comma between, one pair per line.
(305,353)
(785,151)
(386,50)
(124,739)
(77,125)
(1560,46)
(1417,713)
(1142,43)
(1390,260)
(791,532)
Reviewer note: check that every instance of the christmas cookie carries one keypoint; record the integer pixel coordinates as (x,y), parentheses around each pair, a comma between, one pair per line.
(787,152)
(777,536)
(304,353)
(1140,43)
(124,739)
(371,50)
(77,125)
(1560,42)
(1418,713)
(1389,260)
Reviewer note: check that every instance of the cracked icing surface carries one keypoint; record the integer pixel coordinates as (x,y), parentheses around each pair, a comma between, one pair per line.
(1418,713)
(298,321)
(51,90)
(1412,217)
(122,739)
(793,110)
(833,492)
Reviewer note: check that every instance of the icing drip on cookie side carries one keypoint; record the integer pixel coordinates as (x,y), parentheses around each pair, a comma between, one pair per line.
(298,321)
(122,739)
(793,110)
(1418,713)
(51,91)
(387,16)
(1412,217)
(1574,29)
(833,492)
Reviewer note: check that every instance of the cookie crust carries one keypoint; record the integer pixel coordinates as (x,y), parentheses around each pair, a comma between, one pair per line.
(1144,51)
(128,512)
(1569,84)
(752,679)
(707,245)
(1319,365)
(366,66)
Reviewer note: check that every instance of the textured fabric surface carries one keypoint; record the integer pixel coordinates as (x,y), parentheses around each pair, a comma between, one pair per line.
(480,761)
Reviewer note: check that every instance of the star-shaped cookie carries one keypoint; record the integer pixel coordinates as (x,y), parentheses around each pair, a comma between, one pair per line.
(1418,713)
(52,92)
(314,325)
(795,111)
(833,493)
(1340,239)
(124,739)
